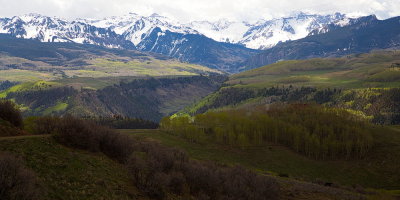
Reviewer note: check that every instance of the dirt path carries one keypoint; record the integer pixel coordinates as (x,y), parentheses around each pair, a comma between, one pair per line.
(23,137)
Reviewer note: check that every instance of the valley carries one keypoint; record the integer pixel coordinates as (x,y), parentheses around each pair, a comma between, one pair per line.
(295,106)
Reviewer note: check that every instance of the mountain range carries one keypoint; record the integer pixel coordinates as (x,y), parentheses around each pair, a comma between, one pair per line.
(361,35)
(222,45)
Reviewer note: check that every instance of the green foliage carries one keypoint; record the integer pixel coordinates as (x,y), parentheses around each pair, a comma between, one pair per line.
(314,131)
(382,105)
(29,86)
(58,108)
(379,105)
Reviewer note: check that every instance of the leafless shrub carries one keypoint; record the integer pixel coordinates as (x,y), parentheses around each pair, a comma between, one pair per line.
(17,182)
(158,169)
(41,125)
(87,135)
(9,112)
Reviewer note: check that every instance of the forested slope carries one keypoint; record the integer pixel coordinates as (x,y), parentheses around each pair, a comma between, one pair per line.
(147,98)
(365,84)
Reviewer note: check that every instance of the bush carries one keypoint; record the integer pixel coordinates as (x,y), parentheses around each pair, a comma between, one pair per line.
(87,135)
(16,182)
(9,112)
(158,170)
(41,125)
(7,130)
(120,122)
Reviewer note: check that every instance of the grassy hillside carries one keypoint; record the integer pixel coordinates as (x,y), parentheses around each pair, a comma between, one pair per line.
(65,173)
(29,60)
(365,84)
(22,70)
(280,161)
(380,69)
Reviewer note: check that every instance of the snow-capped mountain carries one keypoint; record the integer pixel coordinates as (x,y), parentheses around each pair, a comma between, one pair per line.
(360,35)
(222,44)
(162,35)
(222,30)
(197,48)
(265,34)
(52,29)
(132,27)
(135,28)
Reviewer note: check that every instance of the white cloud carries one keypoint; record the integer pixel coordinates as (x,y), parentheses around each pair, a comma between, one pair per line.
(187,10)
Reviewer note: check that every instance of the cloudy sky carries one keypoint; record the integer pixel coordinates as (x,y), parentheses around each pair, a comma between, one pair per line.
(187,10)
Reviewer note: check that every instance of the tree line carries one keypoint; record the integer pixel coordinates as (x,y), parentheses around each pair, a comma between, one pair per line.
(158,171)
(123,122)
(309,129)
(380,104)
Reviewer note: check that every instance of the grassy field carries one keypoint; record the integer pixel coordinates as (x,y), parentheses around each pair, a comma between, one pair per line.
(66,173)
(101,68)
(375,70)
(380,170)
(20,75)
(137,67)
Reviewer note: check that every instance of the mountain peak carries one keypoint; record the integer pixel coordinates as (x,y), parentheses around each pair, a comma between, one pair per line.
(261,35)
(156,15)
(298,13)
(33,15)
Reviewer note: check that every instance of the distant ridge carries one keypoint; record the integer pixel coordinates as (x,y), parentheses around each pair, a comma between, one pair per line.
(360,36)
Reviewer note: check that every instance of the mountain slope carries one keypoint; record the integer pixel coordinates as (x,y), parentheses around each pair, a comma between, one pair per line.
(260,35)
(146,98)
(51,29)
(198,49)
(266,34)
(134,27)
(366,84)
(159,34)
(30,60)
(363,35)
